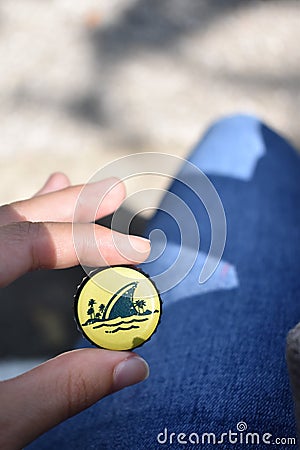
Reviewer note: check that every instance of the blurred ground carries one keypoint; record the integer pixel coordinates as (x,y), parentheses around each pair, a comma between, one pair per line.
(85,82)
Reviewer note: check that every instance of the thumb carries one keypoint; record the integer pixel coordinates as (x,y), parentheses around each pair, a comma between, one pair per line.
(61,387)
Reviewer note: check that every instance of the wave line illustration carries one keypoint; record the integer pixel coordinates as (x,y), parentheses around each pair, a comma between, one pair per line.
(121,329)
(120,323)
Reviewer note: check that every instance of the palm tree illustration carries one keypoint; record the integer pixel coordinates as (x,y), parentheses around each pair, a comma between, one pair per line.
(101,309)
(140,304)
(91,310)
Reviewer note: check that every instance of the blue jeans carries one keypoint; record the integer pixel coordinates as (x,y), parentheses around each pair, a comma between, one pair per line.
(218,358)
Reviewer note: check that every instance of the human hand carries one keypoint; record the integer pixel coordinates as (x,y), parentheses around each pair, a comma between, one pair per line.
(35,234)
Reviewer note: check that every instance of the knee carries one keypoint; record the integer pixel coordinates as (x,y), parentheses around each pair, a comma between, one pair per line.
(231,147)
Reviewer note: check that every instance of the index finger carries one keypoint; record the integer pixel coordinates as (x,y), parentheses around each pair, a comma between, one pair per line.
(27,246)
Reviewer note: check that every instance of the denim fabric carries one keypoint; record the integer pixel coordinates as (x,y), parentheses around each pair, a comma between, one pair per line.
(218,357)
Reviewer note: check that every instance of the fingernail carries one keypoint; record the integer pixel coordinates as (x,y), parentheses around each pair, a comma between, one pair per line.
(139,244)
(133,248)
(130,371)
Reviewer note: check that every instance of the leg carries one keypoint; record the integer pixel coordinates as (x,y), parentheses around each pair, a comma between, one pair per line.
(218,357)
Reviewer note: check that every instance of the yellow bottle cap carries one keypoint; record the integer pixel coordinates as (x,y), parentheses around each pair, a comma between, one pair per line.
(117,308)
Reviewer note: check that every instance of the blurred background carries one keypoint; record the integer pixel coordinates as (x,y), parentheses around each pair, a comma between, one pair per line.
(83,83)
